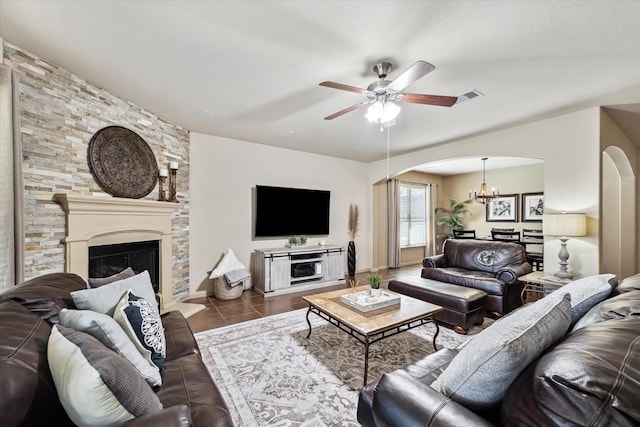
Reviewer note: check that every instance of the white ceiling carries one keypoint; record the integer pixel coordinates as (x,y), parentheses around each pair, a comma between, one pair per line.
(250,70)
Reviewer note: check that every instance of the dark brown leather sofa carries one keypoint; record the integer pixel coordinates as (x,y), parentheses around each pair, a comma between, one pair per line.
(492,267)
(590,376)
(29,397)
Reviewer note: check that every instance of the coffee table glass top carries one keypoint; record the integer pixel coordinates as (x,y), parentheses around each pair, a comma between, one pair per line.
(368,323)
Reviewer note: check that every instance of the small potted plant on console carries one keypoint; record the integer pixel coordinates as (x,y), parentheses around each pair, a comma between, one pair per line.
(374,281)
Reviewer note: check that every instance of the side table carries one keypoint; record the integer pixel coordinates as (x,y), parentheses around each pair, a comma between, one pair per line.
(541,283)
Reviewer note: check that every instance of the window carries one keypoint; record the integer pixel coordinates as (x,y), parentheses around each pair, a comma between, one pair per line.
(412,215)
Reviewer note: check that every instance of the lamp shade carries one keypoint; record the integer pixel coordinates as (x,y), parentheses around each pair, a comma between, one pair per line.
(565,224)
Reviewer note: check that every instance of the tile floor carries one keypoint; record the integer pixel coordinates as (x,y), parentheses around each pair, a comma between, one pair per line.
(251,305)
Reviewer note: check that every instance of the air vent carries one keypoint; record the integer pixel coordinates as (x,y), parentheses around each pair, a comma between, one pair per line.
(468,96)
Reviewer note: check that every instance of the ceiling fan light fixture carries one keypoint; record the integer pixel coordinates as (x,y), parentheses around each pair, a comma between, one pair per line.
(382,112)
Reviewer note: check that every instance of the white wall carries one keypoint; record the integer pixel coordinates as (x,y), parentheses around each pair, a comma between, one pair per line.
(222,176)
(568,144)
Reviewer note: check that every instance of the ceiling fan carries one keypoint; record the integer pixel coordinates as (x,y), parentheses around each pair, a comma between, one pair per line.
(384,94)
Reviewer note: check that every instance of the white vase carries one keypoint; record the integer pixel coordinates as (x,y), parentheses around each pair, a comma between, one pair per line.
(375,292)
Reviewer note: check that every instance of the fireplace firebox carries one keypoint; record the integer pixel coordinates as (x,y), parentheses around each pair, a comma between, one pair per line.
(107,260)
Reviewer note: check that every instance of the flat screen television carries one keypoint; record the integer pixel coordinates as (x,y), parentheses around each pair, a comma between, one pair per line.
(281,211)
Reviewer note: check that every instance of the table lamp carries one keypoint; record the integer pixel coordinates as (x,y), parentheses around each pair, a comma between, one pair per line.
(564,225)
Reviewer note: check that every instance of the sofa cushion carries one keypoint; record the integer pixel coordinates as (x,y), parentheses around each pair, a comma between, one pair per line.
(106,330)
(483,255)
(585,293)
(105,298)
(186,380)
(178,335)
(618,307)
(27,388)
(590,378)
(46,295)
(96,386)
(143,326)
(96,282)
(483,370)
(486,282)
(631,283)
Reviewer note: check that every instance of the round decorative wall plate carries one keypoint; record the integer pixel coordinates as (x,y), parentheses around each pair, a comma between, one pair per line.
(122,162)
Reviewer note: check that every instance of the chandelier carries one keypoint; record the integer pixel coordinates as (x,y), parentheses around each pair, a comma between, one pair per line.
(484,196)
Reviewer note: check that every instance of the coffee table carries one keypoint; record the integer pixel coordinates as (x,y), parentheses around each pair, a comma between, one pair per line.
(373,326)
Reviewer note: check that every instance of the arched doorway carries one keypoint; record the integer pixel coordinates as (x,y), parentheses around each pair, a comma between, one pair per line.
(618,252)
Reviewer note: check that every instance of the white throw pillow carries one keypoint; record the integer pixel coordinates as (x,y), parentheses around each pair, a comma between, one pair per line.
(96,386)
(110,333)
(228,263)
(105,298)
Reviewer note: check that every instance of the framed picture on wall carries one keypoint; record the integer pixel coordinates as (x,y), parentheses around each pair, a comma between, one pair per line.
(532,207)
(503,208)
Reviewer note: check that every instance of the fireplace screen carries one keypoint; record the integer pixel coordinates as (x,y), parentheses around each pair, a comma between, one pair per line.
(108,260)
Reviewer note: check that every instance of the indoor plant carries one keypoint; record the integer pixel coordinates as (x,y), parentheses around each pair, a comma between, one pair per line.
(297,241)
(374,280)
(452,217)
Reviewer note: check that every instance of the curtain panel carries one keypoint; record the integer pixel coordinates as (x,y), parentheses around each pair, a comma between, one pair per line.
(393,215)
(430,220)
(11,212)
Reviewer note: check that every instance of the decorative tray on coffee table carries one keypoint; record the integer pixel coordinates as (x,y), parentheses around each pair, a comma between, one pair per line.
(363,301)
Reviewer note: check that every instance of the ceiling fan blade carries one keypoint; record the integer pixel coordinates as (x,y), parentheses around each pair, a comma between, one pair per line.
(346,110)
(413,73)
(341,86)
(439,100)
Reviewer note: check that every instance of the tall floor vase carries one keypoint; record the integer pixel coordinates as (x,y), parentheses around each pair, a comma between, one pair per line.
(351,258)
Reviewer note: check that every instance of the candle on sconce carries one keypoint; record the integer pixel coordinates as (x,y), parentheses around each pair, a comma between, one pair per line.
(173,165)
(164,172)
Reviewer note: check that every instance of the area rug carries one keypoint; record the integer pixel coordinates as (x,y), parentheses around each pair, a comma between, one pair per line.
(272,375)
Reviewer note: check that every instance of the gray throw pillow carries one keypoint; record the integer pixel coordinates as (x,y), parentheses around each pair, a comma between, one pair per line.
(479,376)
(109,333)
(586,292)
(96,386)
(96,282)
(105,298)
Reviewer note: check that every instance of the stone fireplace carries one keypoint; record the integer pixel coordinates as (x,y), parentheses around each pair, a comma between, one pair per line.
(93,221)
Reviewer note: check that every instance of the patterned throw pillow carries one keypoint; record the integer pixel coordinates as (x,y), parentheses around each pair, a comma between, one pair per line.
(143,326)
(96,386)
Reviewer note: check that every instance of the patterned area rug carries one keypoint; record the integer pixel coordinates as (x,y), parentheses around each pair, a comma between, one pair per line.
(272,375)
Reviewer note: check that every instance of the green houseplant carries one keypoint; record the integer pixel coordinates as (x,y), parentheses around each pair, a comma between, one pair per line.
(374,280)
(452,217)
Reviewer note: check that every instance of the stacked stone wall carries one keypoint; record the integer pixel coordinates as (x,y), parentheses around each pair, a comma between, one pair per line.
(59,112)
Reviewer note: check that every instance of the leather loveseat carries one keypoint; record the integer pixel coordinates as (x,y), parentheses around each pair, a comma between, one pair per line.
(29,397)
(492,267)
(586,375)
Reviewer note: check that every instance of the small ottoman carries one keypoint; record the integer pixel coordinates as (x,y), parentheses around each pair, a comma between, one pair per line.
(462,306)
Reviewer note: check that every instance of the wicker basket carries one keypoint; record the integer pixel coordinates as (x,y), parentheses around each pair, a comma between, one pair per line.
(223,291)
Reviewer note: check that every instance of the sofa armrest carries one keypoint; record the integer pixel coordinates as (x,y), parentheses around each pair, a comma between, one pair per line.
(511,273)
(402,400)
(173,416)
(435,261)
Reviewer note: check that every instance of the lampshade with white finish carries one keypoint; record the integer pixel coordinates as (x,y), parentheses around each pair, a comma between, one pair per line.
(564,225)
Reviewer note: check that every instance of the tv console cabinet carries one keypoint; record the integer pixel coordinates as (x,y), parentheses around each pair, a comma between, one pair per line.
(284,270)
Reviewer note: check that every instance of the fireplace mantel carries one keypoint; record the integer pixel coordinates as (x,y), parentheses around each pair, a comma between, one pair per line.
(96,221)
